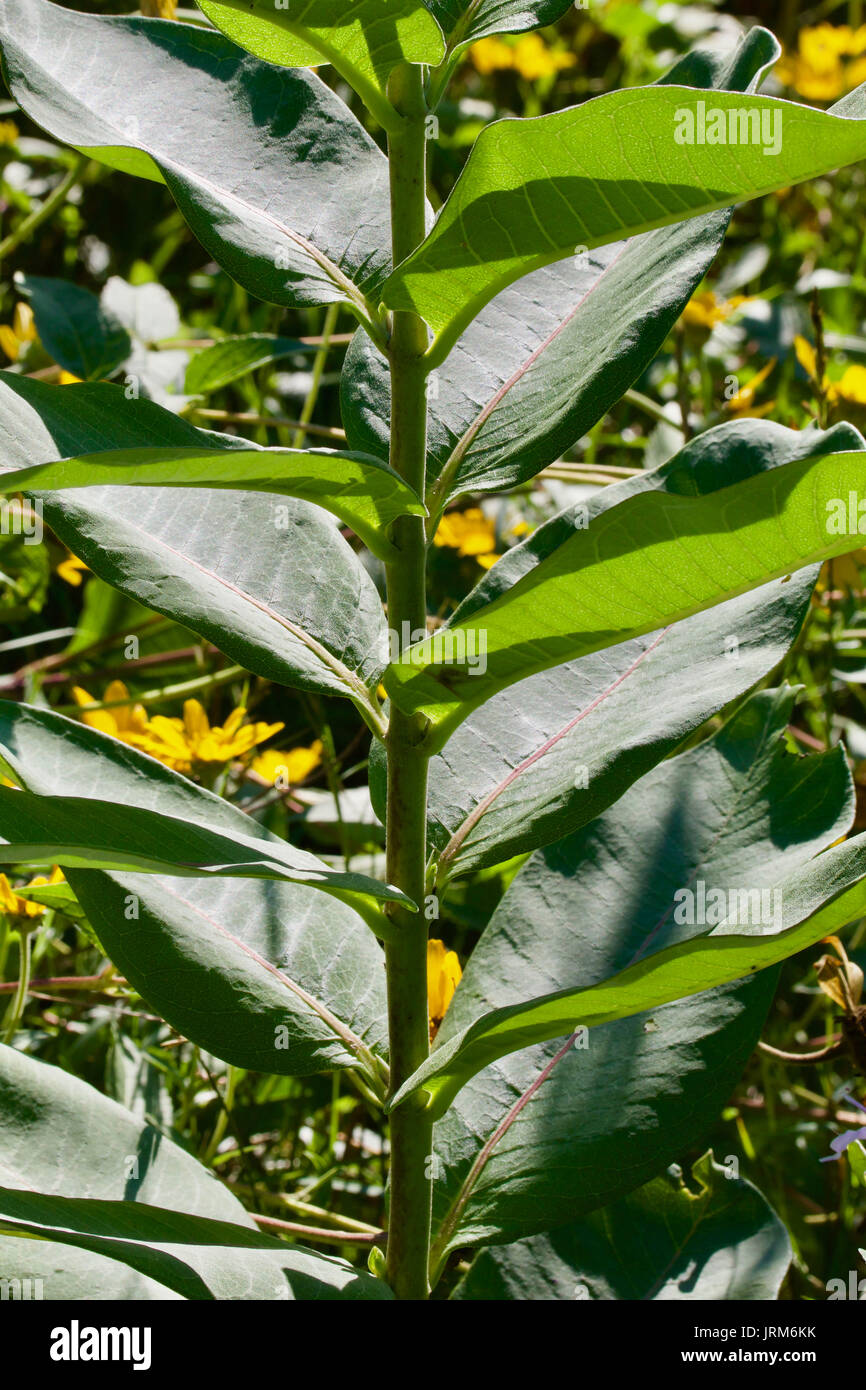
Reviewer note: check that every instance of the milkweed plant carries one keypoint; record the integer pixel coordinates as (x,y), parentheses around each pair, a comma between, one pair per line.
(533,1107)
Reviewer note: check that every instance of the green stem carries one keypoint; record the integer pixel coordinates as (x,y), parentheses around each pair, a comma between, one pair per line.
(51,204)
(16,1008)
(406,953)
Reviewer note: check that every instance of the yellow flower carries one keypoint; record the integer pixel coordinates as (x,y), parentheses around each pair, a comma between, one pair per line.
(743,403)
(491,55)
(14,906)
(469,533)
(72,570)
(533,59)
(8,132)
(443,977)
(705,309)
(159,9)
(126,722)
(530,56)
(67,379)
(22,332)
(288,766)
(182,743)
(851,386)
(822,68)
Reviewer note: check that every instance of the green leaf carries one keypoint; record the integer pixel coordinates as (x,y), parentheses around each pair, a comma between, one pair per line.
(466,21)
(665,1241)
(140,1218)
(232,358)
(551,753)
(743,503)
(82,336)
(540,1136)
(363,39)
(549,356)
(268,975)
(362,491)
(813,901)
(272,584)
(535,189)
(541,364)
(58,896)
(86,833)
(229,135)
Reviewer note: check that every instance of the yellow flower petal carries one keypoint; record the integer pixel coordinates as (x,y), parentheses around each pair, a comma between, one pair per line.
(9,343)
(23,322)
(851,386)
(443,977)
(72,570)
(195,721)
(743,403)
(491,55)
(806,356)
(469,533)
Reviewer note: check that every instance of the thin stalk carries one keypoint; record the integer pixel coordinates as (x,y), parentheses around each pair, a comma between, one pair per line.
(332,313)
(406,953)
(15,1012)
(320,1234)
(249,417)
(166,692)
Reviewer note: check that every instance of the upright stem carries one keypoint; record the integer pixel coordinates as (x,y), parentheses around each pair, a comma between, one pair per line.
(406,955)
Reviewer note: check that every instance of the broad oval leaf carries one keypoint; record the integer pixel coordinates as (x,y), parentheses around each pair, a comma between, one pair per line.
(272,584)
(743,503)
(363,39)
(229,135)
(272,976)
(665,1241)
(466,21)
(535,189)
(232,358)
(139,1217)
(545,360)
(361,490)
(815,898)
(86,833)
(80,333)
(548,1131)
(550,753)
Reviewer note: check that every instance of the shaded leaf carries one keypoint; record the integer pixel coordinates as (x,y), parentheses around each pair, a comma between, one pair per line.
(549,356)
(229,135)
(741,504)
(272,584)
(550,753)
(548,1131)
(79,332)
(272,976)
(665,1241)
(132,1201)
